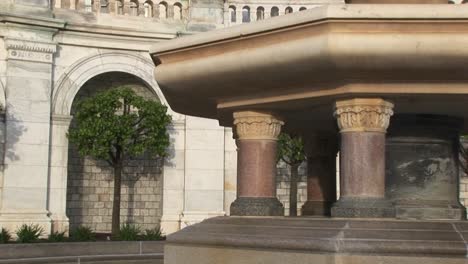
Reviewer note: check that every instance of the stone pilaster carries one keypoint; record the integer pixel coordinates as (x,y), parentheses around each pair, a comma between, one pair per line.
(363,124)
(174,179)
(257,134)
(321,153)
(27,127)
(57,190)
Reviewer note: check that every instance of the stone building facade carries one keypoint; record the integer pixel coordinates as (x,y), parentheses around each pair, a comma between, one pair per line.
(52,53)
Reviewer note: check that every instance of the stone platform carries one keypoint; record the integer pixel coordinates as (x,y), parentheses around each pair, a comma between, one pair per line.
(275,240)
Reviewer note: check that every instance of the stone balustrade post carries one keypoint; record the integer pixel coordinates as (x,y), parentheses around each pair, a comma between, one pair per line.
(363,124)
(257,134)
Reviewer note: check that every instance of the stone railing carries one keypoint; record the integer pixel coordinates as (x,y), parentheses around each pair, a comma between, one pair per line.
(160,10)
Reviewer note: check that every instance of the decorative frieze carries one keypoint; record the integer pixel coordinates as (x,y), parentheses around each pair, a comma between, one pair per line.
(257,125)
(363,115)
(30,50)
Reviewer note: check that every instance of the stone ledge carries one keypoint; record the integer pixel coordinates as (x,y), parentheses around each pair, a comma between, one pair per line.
(87,252)
(329,236)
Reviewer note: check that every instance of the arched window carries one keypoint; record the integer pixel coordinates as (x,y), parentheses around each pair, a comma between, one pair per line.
(303,8)
(119,7)
(104,6)
(89,5)
(245,14)
(163,10)
(148,8)
(232,13)
(274,11)
(260,13)
(134,8)
(177,11)
(288,10)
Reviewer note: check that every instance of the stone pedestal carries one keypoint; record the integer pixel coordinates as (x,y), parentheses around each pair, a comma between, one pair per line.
(321,175)
(363,124)
(256,168)
(423,168)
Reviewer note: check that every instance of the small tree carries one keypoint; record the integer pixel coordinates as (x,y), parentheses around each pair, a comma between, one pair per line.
(291,151)
(115,125)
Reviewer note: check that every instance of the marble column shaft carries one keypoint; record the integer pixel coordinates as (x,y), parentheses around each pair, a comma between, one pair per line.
(257,135)
(363,123)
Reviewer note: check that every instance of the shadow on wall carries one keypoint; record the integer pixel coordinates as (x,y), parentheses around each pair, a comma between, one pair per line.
(13,129)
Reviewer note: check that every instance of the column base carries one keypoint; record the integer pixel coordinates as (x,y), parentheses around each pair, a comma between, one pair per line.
(363,208)
(257,206)
(318,208)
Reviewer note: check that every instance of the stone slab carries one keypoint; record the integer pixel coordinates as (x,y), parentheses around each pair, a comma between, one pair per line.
(311,240)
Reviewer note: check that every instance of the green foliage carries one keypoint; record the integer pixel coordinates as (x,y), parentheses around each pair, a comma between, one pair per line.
(57,237)
(82,234)
(117,123)
(291,149)
(29,233)
(5,236)
(129,232)
(153,234)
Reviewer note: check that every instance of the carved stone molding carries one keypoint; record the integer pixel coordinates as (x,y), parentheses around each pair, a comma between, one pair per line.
(62,120)
(257,125)
(363,115)
(30,50)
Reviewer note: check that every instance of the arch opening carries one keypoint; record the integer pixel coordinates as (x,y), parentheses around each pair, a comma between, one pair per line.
(274,11)
(90,181)
(245,14)
(260,13)
(177,11)
(148,5)
(232,14)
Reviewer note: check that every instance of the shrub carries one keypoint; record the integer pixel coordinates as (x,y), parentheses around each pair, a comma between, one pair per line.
(153,234)
(129,232)
(5,236)
(83,234)
(29,233)
(57,237)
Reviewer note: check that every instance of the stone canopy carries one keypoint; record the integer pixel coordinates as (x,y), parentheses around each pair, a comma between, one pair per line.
(299,64)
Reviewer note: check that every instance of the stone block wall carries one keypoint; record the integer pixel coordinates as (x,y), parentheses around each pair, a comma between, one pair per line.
(283,186)
(464,191)
(90,193)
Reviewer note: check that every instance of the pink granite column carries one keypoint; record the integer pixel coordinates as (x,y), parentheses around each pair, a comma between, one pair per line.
(257,134)
(321,174)
(363,124)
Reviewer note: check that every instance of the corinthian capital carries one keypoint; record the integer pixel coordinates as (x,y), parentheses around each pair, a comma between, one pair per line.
(257,125)
(363,115)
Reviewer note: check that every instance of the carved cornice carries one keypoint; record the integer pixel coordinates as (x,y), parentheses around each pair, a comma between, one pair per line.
(30,50)
(363,115)
(257,125)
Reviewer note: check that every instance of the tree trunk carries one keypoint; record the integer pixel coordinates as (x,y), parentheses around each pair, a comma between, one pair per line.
(293,190)
(116,202)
